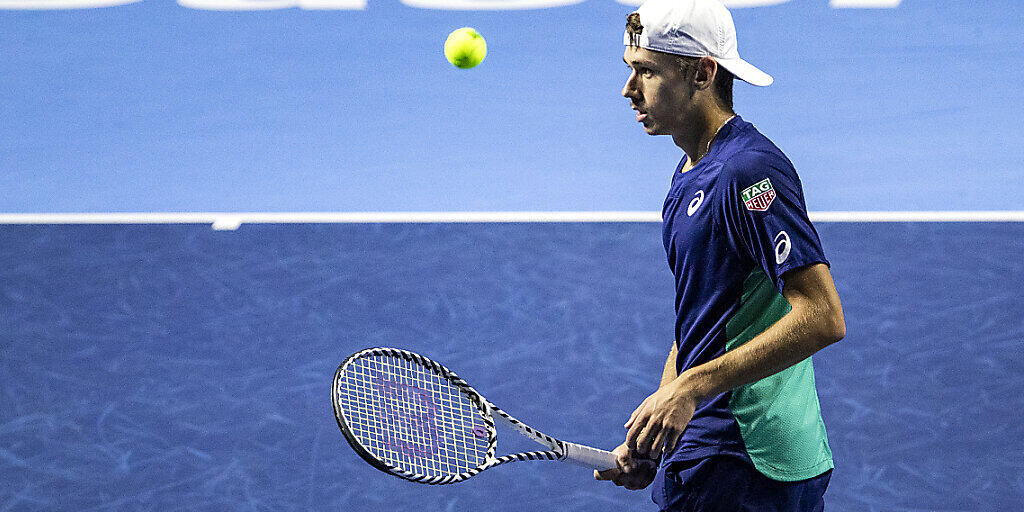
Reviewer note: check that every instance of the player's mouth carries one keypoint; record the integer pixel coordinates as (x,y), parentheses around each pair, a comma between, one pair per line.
(640,114)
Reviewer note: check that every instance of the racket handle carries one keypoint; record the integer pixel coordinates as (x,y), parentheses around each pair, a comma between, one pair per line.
(589,457)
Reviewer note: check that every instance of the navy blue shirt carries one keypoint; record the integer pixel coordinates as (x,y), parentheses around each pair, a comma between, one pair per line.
(732,226)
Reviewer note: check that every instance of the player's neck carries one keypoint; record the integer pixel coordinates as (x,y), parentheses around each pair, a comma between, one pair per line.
(697,139)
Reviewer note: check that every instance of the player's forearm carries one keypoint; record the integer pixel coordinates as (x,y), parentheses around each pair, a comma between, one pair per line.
(796,336)
(668,374)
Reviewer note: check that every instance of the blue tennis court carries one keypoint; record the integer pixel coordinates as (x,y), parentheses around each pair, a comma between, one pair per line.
(175,367)
(151,363)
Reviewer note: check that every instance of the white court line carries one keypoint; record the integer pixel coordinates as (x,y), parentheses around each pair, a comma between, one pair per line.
(232,220)
(920,216)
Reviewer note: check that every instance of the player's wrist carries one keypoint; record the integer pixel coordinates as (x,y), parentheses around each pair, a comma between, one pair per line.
(690,386)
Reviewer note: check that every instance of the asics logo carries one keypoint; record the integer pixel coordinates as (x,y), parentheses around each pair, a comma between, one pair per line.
(695,203)
(782,247)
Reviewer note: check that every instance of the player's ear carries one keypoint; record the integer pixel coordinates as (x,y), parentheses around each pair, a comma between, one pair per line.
(704,74)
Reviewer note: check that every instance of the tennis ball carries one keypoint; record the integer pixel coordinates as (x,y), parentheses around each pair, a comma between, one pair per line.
(465,48)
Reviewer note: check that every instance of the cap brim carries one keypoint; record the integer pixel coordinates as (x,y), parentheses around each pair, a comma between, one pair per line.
(745,71)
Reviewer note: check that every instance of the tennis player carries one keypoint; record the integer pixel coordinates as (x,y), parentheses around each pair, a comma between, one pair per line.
(736,423)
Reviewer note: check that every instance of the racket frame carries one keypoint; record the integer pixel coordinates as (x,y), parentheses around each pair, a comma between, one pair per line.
(557,449)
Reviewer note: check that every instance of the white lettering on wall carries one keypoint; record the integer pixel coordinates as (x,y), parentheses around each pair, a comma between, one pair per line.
(264,5)
(732,4)
(343,5)
(13,5)
(488,5)
(865,4)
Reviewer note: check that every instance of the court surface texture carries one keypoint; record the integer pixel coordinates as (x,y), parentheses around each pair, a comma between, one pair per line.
(173,367)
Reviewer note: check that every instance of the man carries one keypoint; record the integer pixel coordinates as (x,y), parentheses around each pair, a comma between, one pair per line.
(736,422)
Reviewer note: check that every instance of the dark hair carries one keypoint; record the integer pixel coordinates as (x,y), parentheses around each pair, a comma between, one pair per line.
(635,28)
(723,81)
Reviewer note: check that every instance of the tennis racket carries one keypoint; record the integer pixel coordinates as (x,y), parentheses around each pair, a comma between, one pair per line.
(411,417)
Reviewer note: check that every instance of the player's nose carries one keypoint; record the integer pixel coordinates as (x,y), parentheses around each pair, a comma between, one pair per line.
(629,90)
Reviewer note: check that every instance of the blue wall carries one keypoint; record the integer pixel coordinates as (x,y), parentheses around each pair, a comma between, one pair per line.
(154,106)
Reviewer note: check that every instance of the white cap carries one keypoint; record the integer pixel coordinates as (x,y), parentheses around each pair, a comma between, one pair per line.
(695,28)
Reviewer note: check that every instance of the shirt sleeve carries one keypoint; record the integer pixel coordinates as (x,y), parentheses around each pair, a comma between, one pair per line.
(764,215)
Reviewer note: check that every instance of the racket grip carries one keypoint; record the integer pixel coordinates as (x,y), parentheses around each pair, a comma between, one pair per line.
(589,457)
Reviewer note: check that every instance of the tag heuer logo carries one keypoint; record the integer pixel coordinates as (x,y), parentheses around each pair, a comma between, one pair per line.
(759,196)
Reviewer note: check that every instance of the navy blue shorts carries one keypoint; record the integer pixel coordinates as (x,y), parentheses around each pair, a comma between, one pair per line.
(729,484)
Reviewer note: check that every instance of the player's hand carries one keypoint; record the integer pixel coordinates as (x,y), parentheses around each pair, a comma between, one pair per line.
(633,473)
(655,426)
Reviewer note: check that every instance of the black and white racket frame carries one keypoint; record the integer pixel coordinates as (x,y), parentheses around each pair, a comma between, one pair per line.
(557,450)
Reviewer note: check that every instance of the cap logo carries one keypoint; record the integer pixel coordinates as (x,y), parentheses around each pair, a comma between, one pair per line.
(634,28)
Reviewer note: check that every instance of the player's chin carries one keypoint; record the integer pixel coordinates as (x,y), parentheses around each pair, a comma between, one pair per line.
(651,127)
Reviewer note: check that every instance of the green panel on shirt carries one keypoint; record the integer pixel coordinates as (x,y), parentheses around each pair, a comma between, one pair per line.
(779,416)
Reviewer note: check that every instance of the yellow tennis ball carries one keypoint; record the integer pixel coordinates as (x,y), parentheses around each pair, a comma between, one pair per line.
(465,48)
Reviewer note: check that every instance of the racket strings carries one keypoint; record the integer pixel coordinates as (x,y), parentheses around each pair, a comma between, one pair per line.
(412,418)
